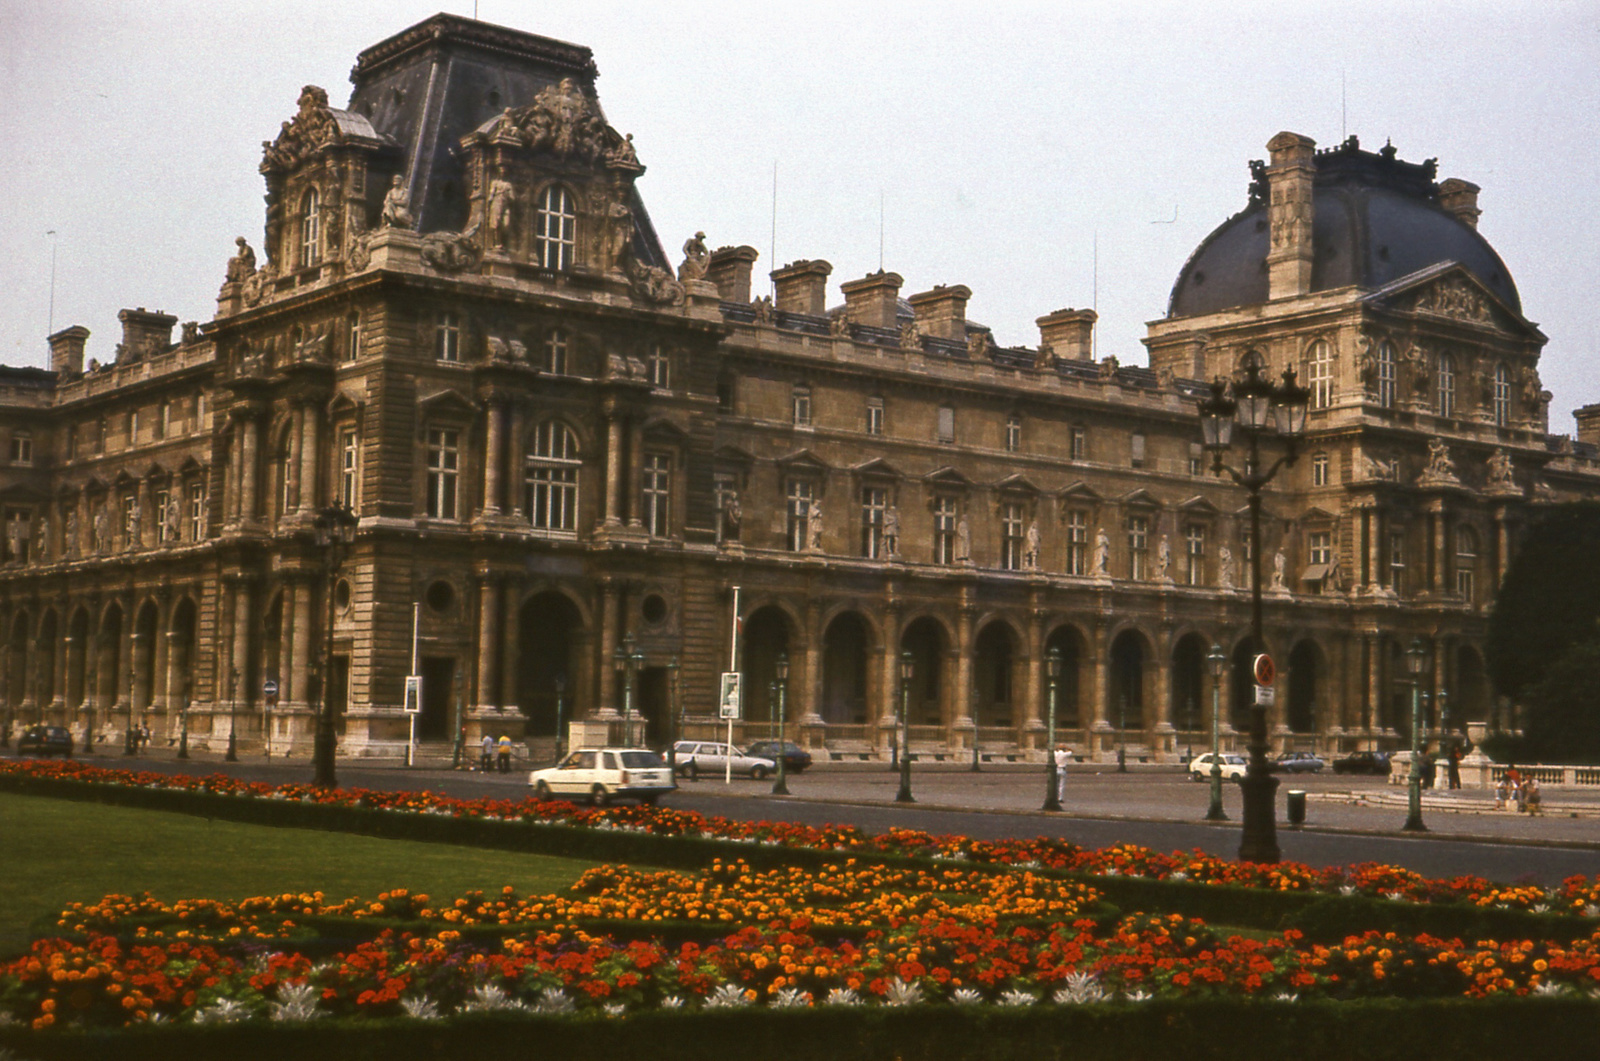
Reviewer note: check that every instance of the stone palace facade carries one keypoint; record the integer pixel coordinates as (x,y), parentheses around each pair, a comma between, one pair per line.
(464,326)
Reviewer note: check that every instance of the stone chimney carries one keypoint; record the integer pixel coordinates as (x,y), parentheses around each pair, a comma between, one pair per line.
(873,300)
(729,269)
(1289,181)
(942,312)
(803,287)
(1460,198)
(66,351)
(1588,424)
(144,334)
(1068,333)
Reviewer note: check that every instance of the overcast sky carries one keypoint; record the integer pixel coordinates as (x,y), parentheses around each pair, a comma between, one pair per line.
(1003,140)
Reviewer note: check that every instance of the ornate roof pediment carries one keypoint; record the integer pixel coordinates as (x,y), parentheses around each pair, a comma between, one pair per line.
(947,476)
(1143,498)
(803,461)
(1198,505)
(447,401)
(314,126)
(877,468)
(1081,491)
(1450,290)
(1017,483)
(564,122)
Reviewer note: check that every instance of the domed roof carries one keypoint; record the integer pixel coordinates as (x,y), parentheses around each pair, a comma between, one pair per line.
(1375,219)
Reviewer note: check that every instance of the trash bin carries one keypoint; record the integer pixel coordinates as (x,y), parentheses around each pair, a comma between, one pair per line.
(1297,806)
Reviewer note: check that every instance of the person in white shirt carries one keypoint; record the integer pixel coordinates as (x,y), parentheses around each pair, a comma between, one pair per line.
(1063,756)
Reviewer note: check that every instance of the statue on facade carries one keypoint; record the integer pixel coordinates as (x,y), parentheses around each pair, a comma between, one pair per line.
(1163,560)
(623,155)
(816,526)
(1501,471)
(500,199)
(243,264)
(696,258)
(1102,554)
(839,326)
(1279,562)
(963,541)
(16,538)
(70,534)
(891,532)
(174,520)
(910,338)
(763,309)
(1440,467)
(1225,568)
(979,345)
(135,523)
(1030,556)
(41,537)
(100,531)
(397,205)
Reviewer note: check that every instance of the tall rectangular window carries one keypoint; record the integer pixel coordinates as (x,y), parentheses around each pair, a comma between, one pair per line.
(1136,448)
(874,506)
(447,337)
(444,468)
(657,493)
(352,346)
(1194,555)
(800,406)
(874,416)
(660,368)
(555,228)
(1197,459)
(22,449)
(1078,444)
(1319,548)
(1013,434)
(1387,370)
(944,530)
(130,524)
(1502,396)
(1320,364)
(555,348)
(310,228)
(1138,547)
(1466,563)
(1447,385)
(946,426)
(1319,469)
(1077,542)
(799,515)
(164,503)
(1011,536)
(1397,560)
(197,511)
(550,478)
(349,469)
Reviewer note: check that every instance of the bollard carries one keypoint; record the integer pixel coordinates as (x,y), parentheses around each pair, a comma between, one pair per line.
(1297,807)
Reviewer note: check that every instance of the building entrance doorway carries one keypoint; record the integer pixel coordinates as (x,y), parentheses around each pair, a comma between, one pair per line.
(438,698)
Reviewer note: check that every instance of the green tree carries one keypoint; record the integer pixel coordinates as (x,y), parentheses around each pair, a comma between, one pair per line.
(1550,599)
(1563,710)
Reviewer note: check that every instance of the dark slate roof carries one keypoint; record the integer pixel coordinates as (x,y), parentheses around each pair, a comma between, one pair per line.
(1375,219)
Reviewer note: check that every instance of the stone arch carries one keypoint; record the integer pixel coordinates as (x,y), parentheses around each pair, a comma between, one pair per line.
(1188,686)
(549,627)
(926,638)
(77,647)
(1130,657)
(46,647)
(845,674)
(768,630)
(108,665)
(1305,681)
(1074,688)
(146,629)
(182,652)
(16,663)
(995,675)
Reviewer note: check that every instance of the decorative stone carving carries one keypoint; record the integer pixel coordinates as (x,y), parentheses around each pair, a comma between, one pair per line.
(839,326)
(1279,564)
(963,541)
(696,258)
(1225,568)
(1440,469)
(1102,554)
(311,128)
(891,532)
(623,156)
(980,345)
(100,531)
(560,120)
(816,526)
(1501,471)
(135,527)
(254,288)
(313,349)
(359,255)
(252,362)
(732,514)
(619,234)
(397,205)
(191,332)
(70,534)
(243,263)
(500,200)
(1163,560)
(452,252)
(174,521)
(1416,358)
(1378,468)
(652,284)
(41,537)
(1454,297)
(763,309)
(1108,368)
(910,338)
(1030,555)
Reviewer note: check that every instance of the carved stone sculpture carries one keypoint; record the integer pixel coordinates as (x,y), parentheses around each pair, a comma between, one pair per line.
(910,338)
(243,263)
(1441,469)
(980,345)
(135,527)
(1163,560)
(816,526)
(619,235)
(1225,568)
(451,252)
(963,541)
(174,521)
(1102,554)
(100,531)
(696,258)
(70,534)
(501,199)
(311,128)
(763,309)
(623,155)
(1501,470)
(839,326)
(41,537)
(891,532)
(1030,556)
(651,284)
(397,205)
(1279,562)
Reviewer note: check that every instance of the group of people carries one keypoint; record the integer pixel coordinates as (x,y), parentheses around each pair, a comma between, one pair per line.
(493,754)
(1523,790)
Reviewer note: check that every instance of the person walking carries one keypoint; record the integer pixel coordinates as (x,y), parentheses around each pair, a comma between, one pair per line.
(1502,792)
(486,754)
(1063,756)
(1455,766)
(505,754)
(1532,797)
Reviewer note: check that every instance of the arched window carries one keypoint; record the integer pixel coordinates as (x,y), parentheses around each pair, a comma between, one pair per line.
(1319,364)
(1447,385)
(555,228)
(1386,374)
(1502,396)
(551,478)
(1466,563)
(310,228)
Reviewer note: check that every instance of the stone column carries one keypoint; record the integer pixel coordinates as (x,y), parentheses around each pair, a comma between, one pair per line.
(1440,557)
(309,496)
(487,613)
(807,692)
(510,657)
(1372,647)
(635,482)
(1036,662)
(231,484)
(58,696)
(1375,549)
(294,497)
(149,518)
(613,516)
(248,453)
(491,460)
(516,460)
(961,704)
(241,641)
(1502,545)
(606,685)
(1163,683)
(298,686)
(1100,690)
(889,667)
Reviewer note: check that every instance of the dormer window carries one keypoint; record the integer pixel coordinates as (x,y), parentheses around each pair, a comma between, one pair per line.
(1386,374)
(556,228)
(1447,385)
(310,228)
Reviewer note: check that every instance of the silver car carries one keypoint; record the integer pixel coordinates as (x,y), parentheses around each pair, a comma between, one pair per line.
(696,757)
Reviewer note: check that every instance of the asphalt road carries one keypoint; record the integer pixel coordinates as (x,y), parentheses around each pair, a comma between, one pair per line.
(1350,820)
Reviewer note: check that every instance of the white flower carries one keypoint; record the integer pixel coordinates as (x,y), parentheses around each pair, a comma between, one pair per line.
(1285,996)
(1592,910)
(967,996)
(901,993)
(616,1009)
(1080,988)
(7,1020)
(1018,997)
(296,1002)
(1541,908)
(1549,989)
(791,998)
(554,1000)
(1398,897)
(223,1011)
(1347,889)
(728,996)
(843,996)
(488,998)
(672,1002)
(1137,995)
(420,1008)
(1177,874)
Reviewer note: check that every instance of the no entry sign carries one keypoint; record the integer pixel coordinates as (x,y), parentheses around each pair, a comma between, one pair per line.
(1266,672)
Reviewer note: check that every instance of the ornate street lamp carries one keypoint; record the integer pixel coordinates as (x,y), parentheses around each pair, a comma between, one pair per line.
(457,746)
(1216,659)
(233,703)
(628,659)
(561,705)
(130,740)
(1416,663)
(183,730)
(674,709)
(335,530)
(1052,790)
(908,670)
(780,667)
(1257,408)
(1122,734)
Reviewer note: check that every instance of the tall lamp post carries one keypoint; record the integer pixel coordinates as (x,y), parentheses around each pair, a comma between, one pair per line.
(183,730)
(1261,409)
(780,667)
(335,530)
(674,709)
(130,739)
(1216,659)
(627,658)
(561,710)
(1122,734)
(1052,790)
(908,670)
(1416,661)
(233,704)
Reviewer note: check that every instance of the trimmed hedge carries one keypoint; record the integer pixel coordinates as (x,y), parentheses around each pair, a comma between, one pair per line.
(1198,1030)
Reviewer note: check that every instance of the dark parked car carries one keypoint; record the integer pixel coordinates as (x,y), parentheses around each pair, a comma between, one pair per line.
(796,758)
(1362,763)
(1299,763)
(45,740)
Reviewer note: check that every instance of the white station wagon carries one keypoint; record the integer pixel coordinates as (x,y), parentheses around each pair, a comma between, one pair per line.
(696,757)
(603,774)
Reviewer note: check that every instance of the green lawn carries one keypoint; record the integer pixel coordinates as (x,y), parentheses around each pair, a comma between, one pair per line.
(57,851)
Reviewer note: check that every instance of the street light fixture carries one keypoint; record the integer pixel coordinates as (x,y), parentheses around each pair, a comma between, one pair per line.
(674,709)
(335,530)
(1216,659)
(1416,663)
(908,670)
(628,659)
(1254,405)
(1052,790)
(780,667)
(233,704)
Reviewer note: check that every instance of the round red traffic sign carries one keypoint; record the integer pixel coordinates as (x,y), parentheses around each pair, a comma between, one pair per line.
(1266,673)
